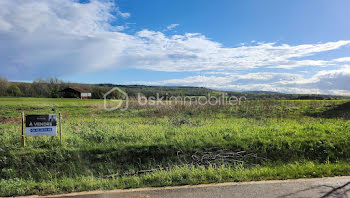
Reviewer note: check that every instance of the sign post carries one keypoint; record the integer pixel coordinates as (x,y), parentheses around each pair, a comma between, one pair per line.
(60,120)
(23,135)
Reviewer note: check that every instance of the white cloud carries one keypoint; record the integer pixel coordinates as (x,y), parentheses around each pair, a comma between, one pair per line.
(172,26)
(323,82)
(290,64)
(60,37)
(343,59)
(122,14)
(194,52)
(330,80)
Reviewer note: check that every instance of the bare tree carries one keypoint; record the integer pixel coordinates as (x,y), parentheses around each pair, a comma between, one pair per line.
(3,86)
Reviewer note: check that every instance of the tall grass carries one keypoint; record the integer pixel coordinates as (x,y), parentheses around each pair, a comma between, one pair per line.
(97,143)
(174,176)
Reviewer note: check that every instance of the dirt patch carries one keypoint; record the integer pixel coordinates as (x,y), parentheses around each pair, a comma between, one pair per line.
(7,120)
(28,108)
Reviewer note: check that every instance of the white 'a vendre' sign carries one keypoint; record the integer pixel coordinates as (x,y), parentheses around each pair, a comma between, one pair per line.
(41,125)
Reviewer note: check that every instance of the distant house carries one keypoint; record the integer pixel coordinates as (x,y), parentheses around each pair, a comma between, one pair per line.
(75,92)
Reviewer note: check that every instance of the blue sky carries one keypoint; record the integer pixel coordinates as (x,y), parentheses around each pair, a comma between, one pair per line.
(272,45)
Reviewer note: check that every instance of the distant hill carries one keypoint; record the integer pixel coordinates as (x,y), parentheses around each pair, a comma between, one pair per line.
(202,91)
(50,88)
(150,86)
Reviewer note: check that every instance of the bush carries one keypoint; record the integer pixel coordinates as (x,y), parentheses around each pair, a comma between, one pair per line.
(13,90)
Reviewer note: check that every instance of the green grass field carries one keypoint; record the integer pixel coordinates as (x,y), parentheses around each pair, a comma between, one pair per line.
(105,150)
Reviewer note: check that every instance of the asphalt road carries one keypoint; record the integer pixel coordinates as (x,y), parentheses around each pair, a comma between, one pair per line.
(322,187)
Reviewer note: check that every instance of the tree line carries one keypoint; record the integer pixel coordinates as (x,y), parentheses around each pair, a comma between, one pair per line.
(45,88)
(51,87)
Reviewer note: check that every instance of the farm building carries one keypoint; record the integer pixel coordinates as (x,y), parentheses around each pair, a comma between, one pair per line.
(75,92)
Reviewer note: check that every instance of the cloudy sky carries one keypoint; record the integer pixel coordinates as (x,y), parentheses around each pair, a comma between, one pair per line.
(271,45)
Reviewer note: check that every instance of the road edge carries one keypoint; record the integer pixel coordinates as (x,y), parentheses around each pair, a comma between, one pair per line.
(99,192)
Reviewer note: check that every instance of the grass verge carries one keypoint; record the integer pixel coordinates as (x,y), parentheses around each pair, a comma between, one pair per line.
(175,176)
